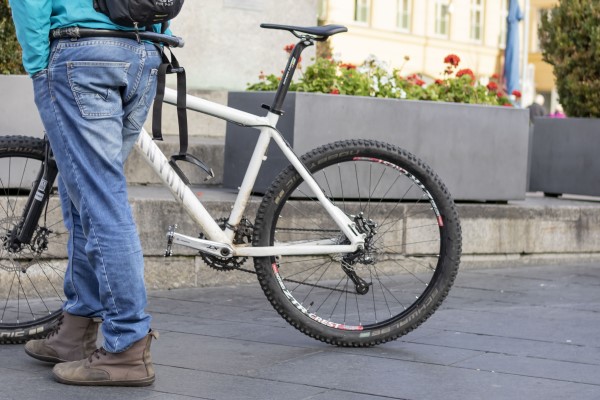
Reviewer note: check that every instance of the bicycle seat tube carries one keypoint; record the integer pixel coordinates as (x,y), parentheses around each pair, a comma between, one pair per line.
(288,74)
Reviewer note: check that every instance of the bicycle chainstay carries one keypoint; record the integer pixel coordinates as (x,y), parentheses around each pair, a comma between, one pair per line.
(210,260)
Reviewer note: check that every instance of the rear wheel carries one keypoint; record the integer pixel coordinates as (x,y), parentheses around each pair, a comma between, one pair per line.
(31,276)
(411,253)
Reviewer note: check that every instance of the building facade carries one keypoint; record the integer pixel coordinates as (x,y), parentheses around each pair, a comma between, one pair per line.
(428,30)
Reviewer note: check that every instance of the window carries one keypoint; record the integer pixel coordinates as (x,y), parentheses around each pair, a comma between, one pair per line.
(476,19)
(361,11)
(441,17)
(403,15)
(503,22)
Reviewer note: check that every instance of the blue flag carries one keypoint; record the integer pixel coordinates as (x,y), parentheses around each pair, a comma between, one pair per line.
(511,53)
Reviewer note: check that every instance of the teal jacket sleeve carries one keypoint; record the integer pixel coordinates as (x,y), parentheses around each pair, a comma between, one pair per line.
(32,23)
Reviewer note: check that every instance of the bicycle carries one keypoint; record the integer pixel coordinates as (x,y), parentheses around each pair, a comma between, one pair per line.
(375,270)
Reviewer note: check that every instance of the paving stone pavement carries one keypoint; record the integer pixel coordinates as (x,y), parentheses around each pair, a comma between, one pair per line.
(503,333)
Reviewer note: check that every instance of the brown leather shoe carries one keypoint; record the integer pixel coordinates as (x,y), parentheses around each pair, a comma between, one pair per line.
(73,338)
(133,367)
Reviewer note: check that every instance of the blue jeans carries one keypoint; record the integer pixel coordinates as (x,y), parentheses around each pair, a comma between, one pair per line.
(93,99)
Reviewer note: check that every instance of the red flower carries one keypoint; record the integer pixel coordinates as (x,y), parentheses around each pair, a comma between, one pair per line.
(468,72)
(507,105)
(415,79)
(517,94)
(439,82)
(500,95)
(495,77)
(492,86)
(348,66)
(452,59)
(335,91)
(289,48)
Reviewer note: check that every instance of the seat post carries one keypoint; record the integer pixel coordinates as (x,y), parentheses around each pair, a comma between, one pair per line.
(288,74)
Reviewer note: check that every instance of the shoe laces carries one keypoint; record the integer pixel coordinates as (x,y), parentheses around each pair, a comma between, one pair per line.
(98,353)
(57,327)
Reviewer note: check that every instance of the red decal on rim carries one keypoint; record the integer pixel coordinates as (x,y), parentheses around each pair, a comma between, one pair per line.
(440,221)
(275,269)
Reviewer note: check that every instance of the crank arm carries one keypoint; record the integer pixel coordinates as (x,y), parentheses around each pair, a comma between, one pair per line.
(202,245)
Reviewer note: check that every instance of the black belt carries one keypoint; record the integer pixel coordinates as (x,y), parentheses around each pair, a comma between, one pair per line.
(76,32)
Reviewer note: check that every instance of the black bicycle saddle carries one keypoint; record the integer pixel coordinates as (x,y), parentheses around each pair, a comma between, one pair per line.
(318,32)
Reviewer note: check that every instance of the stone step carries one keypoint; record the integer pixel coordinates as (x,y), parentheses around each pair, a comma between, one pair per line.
(210,150)
(532,232)
(536,231)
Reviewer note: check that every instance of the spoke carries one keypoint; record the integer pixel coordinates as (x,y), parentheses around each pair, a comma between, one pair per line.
(306,270)
(338,300)
(373,293)
(38,293)
(49,280)
(329,295)
(318,280)
(389,291)
(7,297)
(376,186)
(358,187)
(26,299)
(341,186)
(413,258)
(404,268)
(316,222)
(383,292)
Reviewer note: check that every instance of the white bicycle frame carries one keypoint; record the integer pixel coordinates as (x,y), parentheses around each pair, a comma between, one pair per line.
(221,242)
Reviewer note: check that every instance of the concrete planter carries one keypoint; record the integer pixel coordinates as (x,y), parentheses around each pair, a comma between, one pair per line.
(18,113)
(480,152)
(564,156)
(18,116)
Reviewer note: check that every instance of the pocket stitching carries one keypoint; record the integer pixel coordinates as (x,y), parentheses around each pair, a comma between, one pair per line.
(77,94)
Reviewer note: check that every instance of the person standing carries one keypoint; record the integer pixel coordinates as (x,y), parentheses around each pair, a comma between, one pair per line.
(93,96)
(536,109)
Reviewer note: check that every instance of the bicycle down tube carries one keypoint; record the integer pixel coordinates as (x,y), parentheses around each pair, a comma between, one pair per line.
(159,163)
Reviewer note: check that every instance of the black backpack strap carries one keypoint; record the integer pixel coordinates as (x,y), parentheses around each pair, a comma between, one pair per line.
(171,67)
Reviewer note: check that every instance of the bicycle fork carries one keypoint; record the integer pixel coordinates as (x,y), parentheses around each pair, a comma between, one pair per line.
(36,202)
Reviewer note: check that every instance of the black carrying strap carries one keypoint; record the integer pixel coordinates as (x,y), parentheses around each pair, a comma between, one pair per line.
(171,67)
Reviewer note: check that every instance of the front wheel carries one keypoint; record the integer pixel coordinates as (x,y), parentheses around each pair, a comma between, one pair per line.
(31,275)
(411,253)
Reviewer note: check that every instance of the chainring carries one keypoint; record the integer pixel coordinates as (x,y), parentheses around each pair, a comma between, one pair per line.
(243,235)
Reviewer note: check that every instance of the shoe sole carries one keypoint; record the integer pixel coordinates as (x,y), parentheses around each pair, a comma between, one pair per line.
(138,382)
(49,359)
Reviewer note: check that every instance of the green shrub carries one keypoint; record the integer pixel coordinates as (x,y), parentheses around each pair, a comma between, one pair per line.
(10,51)
(570,40)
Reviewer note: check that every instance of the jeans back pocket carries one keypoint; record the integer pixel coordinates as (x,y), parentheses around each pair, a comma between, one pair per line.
(96,87)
